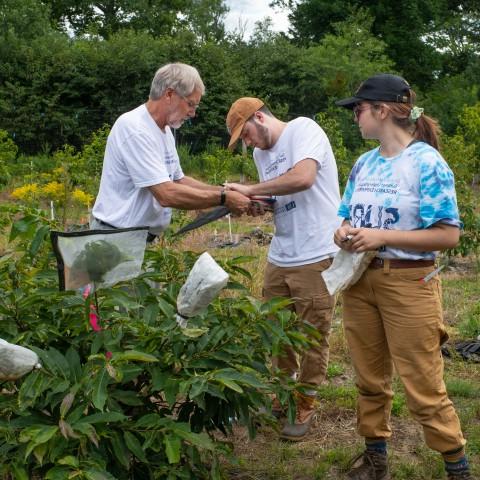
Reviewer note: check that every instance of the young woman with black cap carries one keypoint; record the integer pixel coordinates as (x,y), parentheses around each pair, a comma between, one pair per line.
(399,200)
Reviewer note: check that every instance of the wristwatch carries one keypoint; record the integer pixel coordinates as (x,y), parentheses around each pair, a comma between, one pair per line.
(223,196)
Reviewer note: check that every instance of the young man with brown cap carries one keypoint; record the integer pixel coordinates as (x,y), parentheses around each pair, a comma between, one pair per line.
(296,165)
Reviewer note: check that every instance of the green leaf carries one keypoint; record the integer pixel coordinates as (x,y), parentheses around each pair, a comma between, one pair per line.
(68,460)
(172,386)
(43,435)
(73,360)
(88,430)
(194,332)
(134,446)
(105,417)
(172,448)
(99,394)
(58,473)
(133,355)
(38,239)
(127,397)
(19,472)
(230,384)
(120,450)
(94,474)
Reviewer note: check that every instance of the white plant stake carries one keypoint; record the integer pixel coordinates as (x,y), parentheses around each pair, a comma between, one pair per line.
(16,361)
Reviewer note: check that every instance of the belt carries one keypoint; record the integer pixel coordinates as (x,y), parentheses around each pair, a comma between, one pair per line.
(101,222)
(399,263)
(150,236)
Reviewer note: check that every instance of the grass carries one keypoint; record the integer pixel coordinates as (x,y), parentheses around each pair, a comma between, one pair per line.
(326,452)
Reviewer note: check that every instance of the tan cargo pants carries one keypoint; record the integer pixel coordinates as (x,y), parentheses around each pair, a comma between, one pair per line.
(312,303)
(392,319)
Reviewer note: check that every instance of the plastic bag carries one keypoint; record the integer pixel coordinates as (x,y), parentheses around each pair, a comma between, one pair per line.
(16,361)
(98,257)
(346,269)
(203,284)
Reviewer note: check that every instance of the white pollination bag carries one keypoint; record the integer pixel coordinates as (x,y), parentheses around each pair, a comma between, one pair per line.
(346,269)
(16,361)
(203,284)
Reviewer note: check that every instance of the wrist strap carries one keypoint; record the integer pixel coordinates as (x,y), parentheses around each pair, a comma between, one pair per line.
(223,197)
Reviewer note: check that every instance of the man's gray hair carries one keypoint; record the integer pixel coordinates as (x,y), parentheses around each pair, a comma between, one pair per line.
(182,78)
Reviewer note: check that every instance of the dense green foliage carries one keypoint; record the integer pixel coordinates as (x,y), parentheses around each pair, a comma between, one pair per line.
(143,397)
(58,87)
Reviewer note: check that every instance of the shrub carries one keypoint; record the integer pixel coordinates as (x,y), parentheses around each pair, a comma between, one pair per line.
(142,397)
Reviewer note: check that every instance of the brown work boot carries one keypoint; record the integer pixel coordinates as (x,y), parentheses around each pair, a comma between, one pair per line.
(369,466)
(278,410)
(303,419)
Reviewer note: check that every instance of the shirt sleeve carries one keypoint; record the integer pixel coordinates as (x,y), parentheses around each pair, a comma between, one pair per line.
(310,142)
(144,161)
(344,208)
(438,201)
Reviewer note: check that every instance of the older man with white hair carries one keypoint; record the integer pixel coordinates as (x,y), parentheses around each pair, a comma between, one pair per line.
(142,178)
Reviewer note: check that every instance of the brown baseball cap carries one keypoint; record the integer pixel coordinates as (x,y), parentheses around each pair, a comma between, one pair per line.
(239,113)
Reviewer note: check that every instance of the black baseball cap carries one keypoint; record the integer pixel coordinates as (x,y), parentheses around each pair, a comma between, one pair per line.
(383,87)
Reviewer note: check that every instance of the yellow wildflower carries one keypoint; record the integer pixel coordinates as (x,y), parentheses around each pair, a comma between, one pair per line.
(26,192)
(82,197)
(54,190)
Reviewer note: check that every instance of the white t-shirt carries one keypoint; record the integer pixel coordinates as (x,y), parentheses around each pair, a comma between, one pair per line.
(138,155)
(305,221)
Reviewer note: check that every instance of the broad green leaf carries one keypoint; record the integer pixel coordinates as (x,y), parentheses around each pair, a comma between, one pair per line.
(133,355)
(172,386)
(120,449)
(194,332)
(134,446)
(150,314)
(152,420)
(73,359)
(68,460)
(38,239)
(58,473)
(99,394)
(201,440)
(230,384)
(39,452)
(19,472)
(88,430)
(172,448)
(104,417)
(95,474)
(127,397)
(43,435)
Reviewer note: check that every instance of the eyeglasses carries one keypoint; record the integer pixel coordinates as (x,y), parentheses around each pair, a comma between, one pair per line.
(358,109)
(192,105)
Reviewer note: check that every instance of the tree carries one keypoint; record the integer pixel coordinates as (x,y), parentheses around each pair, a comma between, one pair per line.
(404,25)
(106,17)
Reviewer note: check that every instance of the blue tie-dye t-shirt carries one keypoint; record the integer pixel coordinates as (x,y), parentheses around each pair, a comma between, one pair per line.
(411,191)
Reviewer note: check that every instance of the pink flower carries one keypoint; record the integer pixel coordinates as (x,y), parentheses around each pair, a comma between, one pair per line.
(94,319)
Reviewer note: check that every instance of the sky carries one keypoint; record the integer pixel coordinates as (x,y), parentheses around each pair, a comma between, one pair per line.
(250,11)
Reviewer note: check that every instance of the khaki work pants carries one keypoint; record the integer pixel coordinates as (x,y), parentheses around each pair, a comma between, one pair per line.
(312,303)
(392,319)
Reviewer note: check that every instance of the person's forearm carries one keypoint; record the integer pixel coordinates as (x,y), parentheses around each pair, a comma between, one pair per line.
(427,240)
(186,197)
(192,182)
(299,178)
